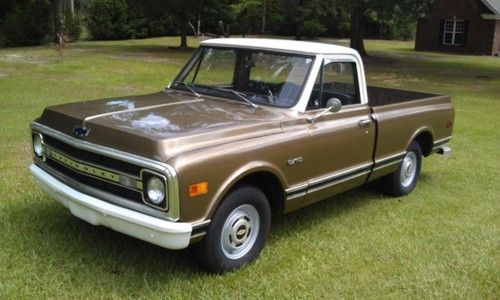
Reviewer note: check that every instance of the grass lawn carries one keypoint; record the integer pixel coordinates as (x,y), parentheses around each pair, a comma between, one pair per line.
(441,241)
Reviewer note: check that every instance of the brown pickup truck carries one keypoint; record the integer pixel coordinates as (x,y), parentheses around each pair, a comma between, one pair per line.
(248,128)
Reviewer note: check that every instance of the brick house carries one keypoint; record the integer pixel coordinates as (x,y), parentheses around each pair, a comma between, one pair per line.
(467,26)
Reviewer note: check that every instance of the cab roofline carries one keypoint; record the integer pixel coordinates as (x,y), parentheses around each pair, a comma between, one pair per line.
(280,45)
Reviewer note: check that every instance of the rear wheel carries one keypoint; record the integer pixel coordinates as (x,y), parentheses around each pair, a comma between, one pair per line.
(405,178)
(238,230)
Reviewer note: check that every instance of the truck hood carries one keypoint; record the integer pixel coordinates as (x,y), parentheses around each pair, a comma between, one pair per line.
(163,124)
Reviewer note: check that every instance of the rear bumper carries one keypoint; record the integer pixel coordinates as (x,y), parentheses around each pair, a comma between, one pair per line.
(444,150)
(167,234)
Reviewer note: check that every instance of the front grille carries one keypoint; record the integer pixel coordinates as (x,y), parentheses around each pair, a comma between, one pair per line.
(94,170)
(123,192)
(93,158)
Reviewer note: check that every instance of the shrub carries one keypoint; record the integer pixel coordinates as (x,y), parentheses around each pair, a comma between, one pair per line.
(313,28)
(72,26)
(26,23)
(107,19)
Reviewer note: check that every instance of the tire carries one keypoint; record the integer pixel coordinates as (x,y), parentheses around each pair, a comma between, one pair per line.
(405,178)
(238,231)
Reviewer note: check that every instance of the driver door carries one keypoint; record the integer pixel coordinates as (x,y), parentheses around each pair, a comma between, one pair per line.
(340,144)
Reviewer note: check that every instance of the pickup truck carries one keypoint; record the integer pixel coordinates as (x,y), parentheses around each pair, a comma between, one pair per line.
(249,128)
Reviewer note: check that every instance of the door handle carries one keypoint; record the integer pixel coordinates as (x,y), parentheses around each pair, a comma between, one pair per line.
(364,122)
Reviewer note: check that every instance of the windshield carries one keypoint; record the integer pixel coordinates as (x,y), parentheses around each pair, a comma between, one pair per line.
(262,77)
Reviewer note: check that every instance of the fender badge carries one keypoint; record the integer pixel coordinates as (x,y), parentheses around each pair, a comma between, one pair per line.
(81,131)
(295,161)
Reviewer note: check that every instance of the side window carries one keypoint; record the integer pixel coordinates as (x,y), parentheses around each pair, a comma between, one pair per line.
(336,80)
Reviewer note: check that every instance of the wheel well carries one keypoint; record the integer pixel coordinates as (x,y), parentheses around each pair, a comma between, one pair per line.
(424,139)
(270,186)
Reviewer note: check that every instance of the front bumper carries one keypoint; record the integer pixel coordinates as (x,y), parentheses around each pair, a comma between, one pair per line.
(167,234)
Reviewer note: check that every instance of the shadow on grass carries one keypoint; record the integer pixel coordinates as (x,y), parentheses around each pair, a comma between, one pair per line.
(330,208)
(58,236)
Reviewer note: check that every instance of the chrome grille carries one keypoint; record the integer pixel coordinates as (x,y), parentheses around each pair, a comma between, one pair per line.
(70,156)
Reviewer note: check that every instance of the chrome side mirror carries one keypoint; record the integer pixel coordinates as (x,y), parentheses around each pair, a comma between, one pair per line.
(333,105)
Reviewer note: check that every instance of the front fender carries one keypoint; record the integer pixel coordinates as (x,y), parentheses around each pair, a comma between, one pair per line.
(239,174)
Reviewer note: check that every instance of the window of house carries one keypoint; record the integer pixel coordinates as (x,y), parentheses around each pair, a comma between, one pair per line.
(454,32)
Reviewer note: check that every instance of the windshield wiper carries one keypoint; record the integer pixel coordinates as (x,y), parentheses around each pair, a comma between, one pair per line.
(188,86)
(237,94)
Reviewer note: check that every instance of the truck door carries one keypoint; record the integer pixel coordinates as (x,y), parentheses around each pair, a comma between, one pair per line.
(341,143)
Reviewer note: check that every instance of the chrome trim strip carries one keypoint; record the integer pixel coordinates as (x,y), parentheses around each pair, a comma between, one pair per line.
(296,188)
(296,195)
(333,176)
(389,158)
(201,224)
(333,183)
(198,235)
(327,181)
(173,185)
(440,142)
(391,163)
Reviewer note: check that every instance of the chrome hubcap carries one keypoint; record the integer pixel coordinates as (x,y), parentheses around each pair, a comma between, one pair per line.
(408,169)
(240,231)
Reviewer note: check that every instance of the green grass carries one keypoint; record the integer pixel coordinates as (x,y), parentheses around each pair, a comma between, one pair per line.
(441,241)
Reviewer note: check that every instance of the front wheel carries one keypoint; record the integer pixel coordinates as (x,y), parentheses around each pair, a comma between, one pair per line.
(238,231)
(405,178)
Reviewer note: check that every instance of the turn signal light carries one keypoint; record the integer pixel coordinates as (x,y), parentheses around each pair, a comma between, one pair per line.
(197,189)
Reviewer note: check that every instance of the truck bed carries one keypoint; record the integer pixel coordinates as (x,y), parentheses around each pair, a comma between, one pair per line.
(378,96)
(404,115)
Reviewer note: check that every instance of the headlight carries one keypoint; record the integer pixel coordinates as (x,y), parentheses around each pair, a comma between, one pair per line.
(38,145)
(155,189)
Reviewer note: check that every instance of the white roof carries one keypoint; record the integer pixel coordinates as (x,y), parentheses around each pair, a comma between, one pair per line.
(280,45)
(493,5)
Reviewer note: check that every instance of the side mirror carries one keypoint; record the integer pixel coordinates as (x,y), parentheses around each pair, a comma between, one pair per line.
(332,105)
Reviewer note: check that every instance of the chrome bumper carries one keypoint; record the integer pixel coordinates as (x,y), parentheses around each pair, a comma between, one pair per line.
(167,234)
(444,150)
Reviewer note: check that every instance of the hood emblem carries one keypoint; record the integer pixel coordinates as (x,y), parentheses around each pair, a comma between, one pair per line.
(81,131)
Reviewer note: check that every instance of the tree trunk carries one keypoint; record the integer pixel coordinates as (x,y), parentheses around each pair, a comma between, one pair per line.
(264,7)
(183,29)
(183,37)
(72,7)
(299,20)
(357,30)
(58,21)
(298,30)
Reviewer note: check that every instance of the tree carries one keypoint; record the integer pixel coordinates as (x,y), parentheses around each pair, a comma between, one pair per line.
(24,22)
(58,13)
(246,11)
(184,10)
(363,10)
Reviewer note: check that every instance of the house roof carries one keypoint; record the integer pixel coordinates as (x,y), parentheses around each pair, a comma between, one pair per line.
(280,45)
(493,5)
